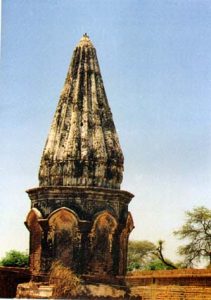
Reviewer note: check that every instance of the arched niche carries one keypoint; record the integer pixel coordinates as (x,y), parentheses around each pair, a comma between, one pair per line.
(124,244)
(64,237)
(35,239)
(101,243)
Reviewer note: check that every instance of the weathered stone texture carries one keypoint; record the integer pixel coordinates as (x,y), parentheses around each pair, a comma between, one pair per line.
(85,228)
(35,240)
(86,202)
(82,148)
(79,215)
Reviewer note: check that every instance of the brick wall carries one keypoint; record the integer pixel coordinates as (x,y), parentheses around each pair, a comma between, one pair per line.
(154,292)
(184,284)
(182,277)
(9,279)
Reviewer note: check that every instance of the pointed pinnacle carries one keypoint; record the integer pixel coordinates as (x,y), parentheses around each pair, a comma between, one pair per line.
(85,41)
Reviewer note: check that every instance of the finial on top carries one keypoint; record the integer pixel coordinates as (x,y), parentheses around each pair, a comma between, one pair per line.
(85,41)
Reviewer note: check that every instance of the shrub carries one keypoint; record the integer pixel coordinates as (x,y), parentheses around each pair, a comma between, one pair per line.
(66,283)
(15,258)
(157,264)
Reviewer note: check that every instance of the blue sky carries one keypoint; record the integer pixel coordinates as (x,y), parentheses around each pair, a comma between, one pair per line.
(155,61)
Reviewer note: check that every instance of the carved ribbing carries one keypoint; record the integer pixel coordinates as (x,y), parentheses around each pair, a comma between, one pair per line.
(82,148)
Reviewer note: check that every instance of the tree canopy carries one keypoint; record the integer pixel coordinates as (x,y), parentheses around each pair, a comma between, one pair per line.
(140,253)
(197,231)
(145,255)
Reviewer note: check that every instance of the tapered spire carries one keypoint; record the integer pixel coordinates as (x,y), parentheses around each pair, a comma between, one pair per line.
(82,148)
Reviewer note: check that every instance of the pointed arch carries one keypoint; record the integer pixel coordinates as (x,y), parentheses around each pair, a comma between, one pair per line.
(64,236)
(33,215)
(63,209)
(101,240)
(35,239)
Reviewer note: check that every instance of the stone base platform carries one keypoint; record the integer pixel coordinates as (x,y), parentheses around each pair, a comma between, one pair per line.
(40,290)
(34,290)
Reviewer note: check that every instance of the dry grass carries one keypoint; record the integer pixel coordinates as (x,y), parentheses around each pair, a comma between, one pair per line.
(66,283)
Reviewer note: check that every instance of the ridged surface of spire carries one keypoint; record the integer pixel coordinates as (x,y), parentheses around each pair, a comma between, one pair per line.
(82,148)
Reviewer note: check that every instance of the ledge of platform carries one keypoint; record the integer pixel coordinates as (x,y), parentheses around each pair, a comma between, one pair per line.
(54,192)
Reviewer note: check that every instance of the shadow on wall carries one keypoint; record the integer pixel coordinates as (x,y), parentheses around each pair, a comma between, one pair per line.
(10,277)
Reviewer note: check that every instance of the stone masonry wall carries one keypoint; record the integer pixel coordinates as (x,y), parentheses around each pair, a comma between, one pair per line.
(78,226)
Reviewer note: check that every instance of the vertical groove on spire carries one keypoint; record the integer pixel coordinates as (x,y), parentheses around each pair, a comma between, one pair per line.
(82,148)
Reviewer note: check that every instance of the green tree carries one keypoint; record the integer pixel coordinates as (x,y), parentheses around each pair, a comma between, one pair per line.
(197,231)
(145,255)
(15,258)
(140,253)
(157,264)
(165,262)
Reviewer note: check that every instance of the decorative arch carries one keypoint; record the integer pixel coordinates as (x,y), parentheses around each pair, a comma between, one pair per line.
(101,242)
(33,214)
(64,236)
(35,239)
(63,209)
(124,244)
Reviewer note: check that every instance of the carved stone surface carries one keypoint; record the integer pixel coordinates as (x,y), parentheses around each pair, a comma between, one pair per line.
(86,202)
(82,148)
(82,227)
(35,240)
(79,215)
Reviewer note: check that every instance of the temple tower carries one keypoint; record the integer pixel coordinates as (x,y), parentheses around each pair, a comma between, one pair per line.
(78,213)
